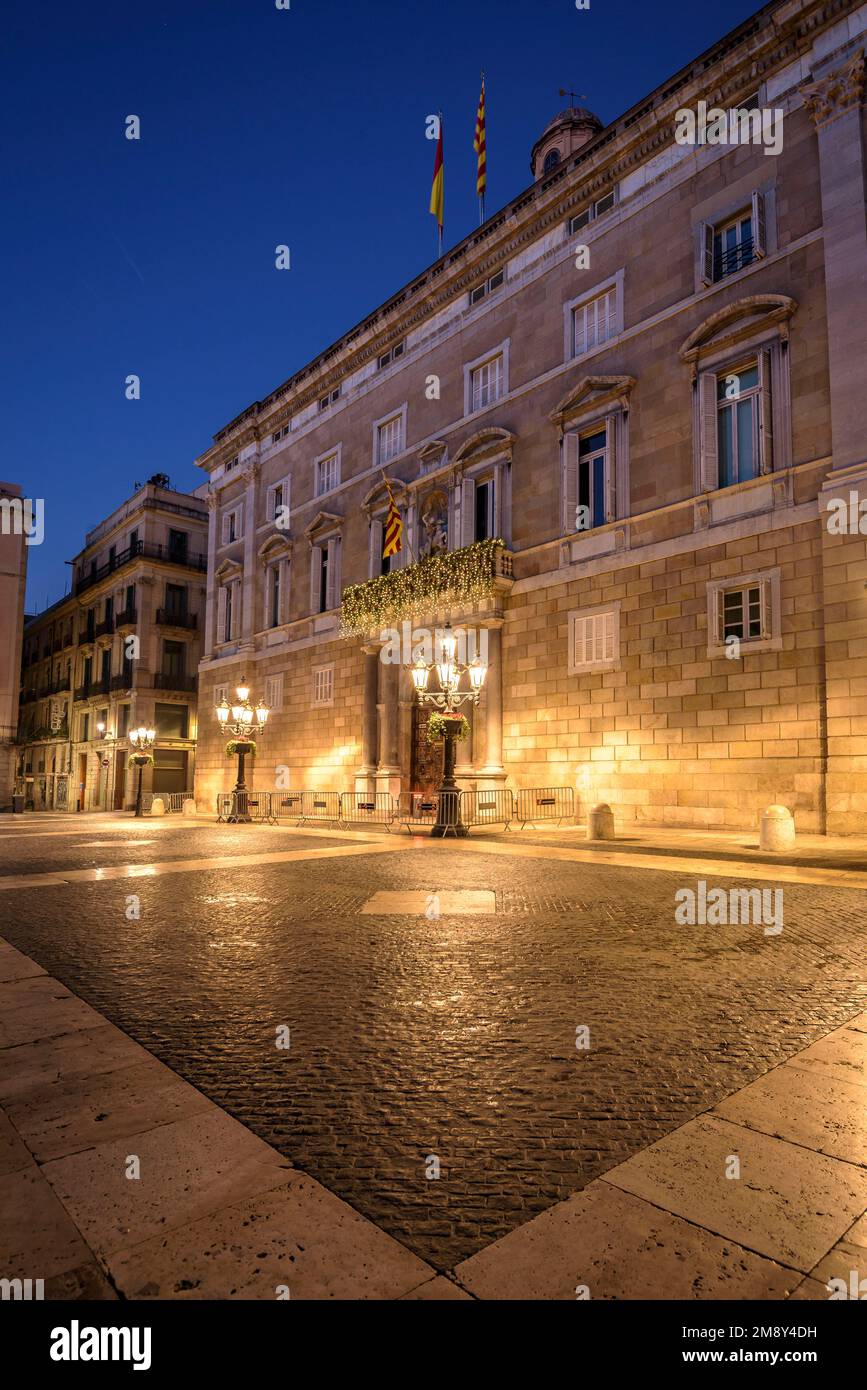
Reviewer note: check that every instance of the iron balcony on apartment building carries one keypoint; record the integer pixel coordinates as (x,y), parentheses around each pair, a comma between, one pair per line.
(127,617)
(145,550)
(167,680)
(173,617)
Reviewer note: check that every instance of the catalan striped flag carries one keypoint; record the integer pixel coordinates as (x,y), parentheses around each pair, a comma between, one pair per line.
(393,532)
(437,193)
(480,147)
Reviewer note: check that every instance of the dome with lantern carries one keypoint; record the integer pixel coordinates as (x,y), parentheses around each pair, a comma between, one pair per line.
(566,133)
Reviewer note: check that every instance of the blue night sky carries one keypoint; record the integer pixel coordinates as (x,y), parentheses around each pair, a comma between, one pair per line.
(259,127)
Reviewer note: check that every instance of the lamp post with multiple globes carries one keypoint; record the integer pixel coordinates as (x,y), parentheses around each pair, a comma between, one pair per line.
(448,700)
(244,721)
(142,741)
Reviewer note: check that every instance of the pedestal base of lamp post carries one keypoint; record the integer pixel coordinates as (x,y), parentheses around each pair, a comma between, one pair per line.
(448,821)
(240,813)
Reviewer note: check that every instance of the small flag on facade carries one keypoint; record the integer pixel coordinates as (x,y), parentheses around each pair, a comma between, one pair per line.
(437,193)
(479,147)
(393,533)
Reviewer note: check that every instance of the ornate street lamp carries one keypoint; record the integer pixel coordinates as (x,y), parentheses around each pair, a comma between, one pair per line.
(241,719)
(448,699)
(142,740)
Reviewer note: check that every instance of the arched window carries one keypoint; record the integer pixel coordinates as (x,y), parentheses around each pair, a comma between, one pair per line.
(552,159)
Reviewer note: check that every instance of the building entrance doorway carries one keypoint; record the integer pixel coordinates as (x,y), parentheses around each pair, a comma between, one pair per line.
(119,778)
(426,772)
(82,781)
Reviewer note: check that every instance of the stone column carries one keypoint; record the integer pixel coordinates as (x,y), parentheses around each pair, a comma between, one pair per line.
(364,777)
(493,766)
(464,750)
(388,772)
(834,102)
(210,583)
(248,584)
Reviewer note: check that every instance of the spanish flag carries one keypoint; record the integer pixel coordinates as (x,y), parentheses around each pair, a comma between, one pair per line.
(437,193)
(479,145)
(393,532)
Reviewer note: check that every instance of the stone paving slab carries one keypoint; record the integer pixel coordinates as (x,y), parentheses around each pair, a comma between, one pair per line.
(619,1247)
(805,1107)
(438,1290)
(300,1235)
(474,902)
(841,1055)
(14,1153)
(14,965)
(39,1007)
(187,1170)
(83,1111)
(789,1203)
(38,1237)
(848,1254)
(88,1052)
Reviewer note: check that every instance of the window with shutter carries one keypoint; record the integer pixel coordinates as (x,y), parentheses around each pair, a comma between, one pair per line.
(593,323)
(594,639)
(274,692)
(745,613)
(570,519)
(487,383)
(323,685)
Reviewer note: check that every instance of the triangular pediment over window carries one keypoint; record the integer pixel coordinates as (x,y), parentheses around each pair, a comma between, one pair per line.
(324,521)
(738,321)
(228,570)
(593,393)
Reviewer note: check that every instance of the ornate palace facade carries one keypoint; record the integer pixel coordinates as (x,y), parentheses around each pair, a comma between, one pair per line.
(645,376)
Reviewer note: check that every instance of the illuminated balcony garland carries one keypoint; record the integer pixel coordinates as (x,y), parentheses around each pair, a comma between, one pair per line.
(440,580)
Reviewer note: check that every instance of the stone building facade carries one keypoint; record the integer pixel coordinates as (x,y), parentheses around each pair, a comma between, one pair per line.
(14,530)
(645,376)
(122,650)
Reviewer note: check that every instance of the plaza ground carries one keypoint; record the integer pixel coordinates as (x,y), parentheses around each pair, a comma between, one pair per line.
(417,1038)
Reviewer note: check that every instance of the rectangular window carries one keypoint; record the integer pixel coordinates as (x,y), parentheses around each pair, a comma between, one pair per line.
(328,400)
(274,596)
(737,414)
(277,504)
(391,356)
(390,439)
(592,457)
(747,611)
(85,728)
(171,721)
(274,692)
(174,659)
(231,526)
(593,323)
(484,510)
(178,546)
(327,474)
(487,383)
(122,721)
(732,246)
(592,211)
(594,639)
(479,292)
(221,694)
(228,597)
(741,613)
(323,685)
(176,601)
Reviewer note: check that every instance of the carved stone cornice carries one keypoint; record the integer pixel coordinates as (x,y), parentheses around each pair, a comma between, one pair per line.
(835,93)
(593,393)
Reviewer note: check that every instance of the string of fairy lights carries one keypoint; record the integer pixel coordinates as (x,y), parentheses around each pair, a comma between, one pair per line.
(440,579)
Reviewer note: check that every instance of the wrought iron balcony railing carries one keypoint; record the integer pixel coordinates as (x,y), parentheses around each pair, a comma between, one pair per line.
(727,262)
(172,617)
(166,680)
(169,554)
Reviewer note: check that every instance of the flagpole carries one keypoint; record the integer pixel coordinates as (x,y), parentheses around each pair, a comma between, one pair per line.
(439,224)
(483,110)
(394,504)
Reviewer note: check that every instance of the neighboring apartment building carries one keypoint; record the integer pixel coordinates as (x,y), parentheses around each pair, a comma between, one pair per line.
(121,651)
(13,578)
(655,428)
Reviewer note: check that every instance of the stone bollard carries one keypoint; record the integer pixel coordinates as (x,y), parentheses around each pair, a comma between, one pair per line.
(189,807)
(158,806)
(777,829)
(600,823)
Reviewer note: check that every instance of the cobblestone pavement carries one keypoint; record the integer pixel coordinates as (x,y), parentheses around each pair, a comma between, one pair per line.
(453,1037)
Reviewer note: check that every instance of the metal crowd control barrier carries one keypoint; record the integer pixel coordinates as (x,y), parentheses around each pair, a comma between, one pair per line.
(417,809)
(534,804)
(320,806)
(245,806)
(173,801)
(367,808)
(287,804)
(488,808)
